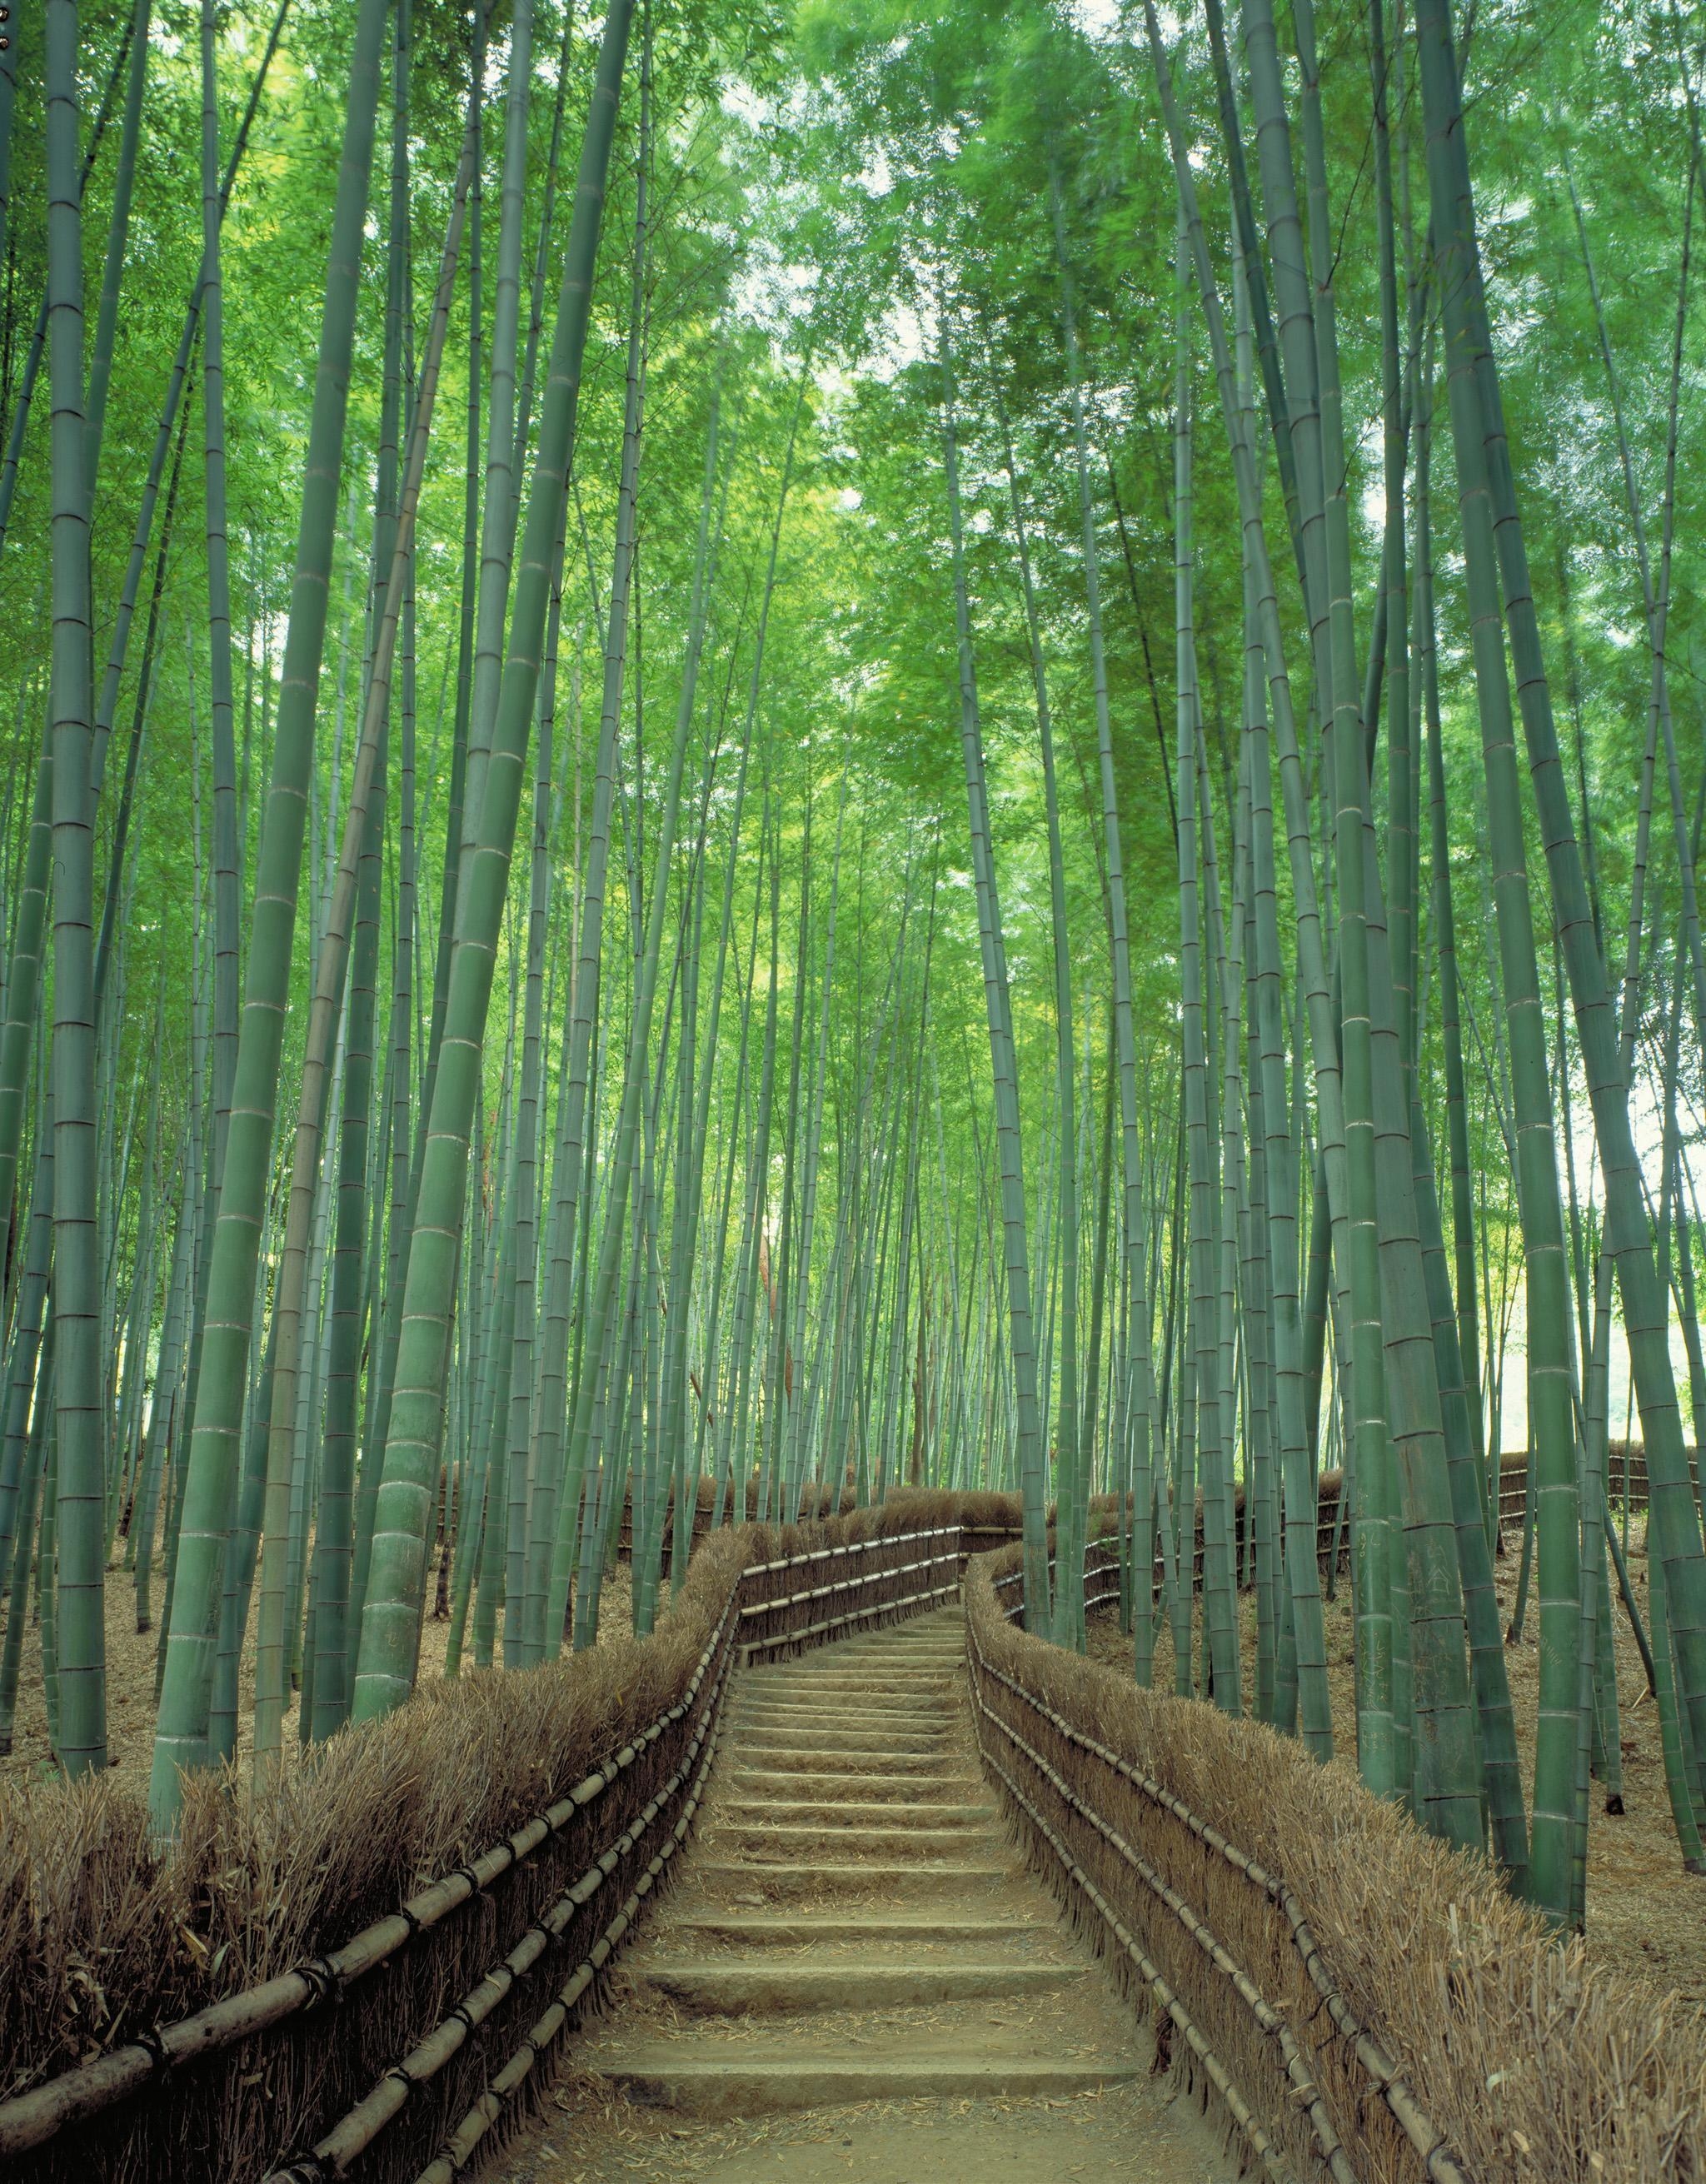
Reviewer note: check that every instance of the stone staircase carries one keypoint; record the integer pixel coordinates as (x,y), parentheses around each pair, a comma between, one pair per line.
(854,1924)
(855,1973)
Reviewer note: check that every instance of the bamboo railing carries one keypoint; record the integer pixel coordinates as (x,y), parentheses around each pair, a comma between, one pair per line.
(399,2052)
(474,1981)
(1220,1945)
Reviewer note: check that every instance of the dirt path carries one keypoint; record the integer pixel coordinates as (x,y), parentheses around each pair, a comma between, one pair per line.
(854,1979)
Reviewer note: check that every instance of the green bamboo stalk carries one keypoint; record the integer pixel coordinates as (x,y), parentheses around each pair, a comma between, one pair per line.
(1427,1567)
(1383,1731)
(9,93)
(554,1519)
(779,1400)
(118,228)
(120,865)
(214,1451)
(502,495)
(1030,1451)
(107,704)
(1069,1489)
(1479,423)
(368,1483)
(1219,1595)
(24,986)
(335,1545)
(797,1466)
(79,1410)
(32,1495)
(168,1389)
(1552,1444)
(1312,961)
(1276,1659)
(731,1437)
(223,1707)
(518,1405)
(295,1305)
(627,1150)
(696,1091)
(391,1612)
(1281,1180)
(720,1391)
(221,717)
(137,1317)
(25,1350)
(1456,1336)
(39,339)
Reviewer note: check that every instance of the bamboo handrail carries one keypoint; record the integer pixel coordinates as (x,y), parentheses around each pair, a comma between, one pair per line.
(1436,2160)
(32,2119)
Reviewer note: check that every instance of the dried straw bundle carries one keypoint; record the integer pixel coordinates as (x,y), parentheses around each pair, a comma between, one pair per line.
(1526,2063)
(102,1939)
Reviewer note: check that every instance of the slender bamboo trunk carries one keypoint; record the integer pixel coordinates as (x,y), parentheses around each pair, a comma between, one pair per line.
(391,1612)
(1482,448)
(79,1410)
(1031,1453)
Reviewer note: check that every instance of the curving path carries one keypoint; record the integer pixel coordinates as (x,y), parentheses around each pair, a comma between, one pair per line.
(855,1977)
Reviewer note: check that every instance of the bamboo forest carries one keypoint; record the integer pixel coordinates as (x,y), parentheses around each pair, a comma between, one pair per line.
(852,1090)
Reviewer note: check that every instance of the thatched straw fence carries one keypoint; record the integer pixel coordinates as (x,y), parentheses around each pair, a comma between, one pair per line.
(1352,1999)
(372,1974)
(362,1974)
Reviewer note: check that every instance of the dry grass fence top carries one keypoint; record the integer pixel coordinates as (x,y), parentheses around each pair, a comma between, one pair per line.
(104,1938)
(1531,2064)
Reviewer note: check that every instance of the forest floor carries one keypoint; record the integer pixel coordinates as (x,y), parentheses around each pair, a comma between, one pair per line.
(132,1661)
(1644,1913)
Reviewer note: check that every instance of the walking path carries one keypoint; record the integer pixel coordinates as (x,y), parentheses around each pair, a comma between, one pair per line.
(854,1976)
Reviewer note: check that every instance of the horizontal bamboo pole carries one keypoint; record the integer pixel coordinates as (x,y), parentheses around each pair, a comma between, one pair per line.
(1305,2092)
(811,1593)
(1237,2108)
(458,2149)
(356,2129)
(32,2120)
(1405,2110)
(842,1622)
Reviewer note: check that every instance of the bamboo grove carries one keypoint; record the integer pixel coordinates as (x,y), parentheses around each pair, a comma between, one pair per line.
(616,903)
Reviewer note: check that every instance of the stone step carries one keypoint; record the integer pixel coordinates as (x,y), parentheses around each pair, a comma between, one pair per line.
(902,1693)
(762,1737)
(811,1711)
(863,1785)
(949,1646)
(804,1878)
(832,1714)
(763,1840)
(782,1755)
(853,1660)
(712,2080)
(944,1625)
(875,1813)
(945,1648)
(793,1987)
(915,1661)
(764,1930)
(892,1695)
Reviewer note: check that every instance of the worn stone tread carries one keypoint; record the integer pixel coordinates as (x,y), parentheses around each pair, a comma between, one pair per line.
(854,1931)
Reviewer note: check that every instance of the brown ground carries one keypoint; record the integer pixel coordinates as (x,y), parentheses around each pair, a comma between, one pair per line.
(130,1660)
(1644,1913)
(585,2135)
